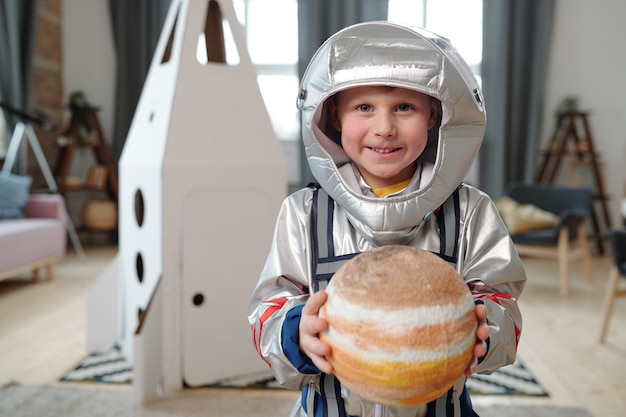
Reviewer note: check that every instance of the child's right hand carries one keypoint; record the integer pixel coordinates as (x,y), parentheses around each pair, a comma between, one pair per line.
(311,325)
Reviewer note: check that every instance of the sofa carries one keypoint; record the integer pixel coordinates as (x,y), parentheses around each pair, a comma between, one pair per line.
(33,237)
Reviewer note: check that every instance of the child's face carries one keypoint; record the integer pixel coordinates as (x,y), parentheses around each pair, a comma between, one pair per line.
(383,130)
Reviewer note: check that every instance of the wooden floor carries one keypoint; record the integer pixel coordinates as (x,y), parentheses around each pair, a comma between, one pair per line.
(42,332)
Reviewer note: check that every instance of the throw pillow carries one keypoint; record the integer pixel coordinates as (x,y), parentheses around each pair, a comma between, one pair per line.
(520,218)
(14,193)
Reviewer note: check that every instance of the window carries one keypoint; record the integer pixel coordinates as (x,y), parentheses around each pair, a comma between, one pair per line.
(461,21)
(3,135)
(272,40)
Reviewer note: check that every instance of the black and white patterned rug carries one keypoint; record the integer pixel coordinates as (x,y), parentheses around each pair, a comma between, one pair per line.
(111,367)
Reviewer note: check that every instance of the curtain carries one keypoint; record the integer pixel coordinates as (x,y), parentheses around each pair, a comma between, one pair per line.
(136,29)
(516,39)
(17,35)
(317,21)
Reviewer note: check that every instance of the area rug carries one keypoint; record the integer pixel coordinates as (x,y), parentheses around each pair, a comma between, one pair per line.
(112,367)
(109,367)
(96,400)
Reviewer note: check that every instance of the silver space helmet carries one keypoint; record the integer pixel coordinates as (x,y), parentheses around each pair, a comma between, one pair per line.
(384,53)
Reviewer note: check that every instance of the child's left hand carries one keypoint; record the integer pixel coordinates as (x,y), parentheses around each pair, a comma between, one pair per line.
(482,334)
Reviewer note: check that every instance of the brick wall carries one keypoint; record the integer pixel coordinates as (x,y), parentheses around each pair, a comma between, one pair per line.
(47,86)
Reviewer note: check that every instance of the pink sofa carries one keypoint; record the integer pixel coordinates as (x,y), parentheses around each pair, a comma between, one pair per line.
(35,241)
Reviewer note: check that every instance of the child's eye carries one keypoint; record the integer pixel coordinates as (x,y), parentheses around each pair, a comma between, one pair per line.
(404,107)
(364,107)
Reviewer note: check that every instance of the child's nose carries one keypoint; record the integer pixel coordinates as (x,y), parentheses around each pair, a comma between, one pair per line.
(384,126)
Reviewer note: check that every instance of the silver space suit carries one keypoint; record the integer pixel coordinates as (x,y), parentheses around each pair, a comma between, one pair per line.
(382,53)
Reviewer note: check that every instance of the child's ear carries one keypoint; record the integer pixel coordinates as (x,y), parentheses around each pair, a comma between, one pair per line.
(434,112)
(333,114)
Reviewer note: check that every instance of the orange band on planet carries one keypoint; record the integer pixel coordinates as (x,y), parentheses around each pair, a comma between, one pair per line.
(399,383)
(370,337)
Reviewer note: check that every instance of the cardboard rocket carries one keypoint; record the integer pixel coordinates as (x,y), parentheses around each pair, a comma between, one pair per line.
(201,179)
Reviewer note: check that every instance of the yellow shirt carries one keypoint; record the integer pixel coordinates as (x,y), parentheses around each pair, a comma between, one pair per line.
(385,191)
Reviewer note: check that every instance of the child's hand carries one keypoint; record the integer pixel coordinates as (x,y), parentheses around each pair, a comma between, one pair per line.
(482,334)
(310,327)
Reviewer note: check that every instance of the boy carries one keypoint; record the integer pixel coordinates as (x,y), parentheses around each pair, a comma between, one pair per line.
(392,118)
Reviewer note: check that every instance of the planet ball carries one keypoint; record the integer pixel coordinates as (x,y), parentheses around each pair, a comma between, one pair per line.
(401,325)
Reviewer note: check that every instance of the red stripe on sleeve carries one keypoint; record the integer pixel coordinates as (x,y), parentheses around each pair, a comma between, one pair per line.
(273,306)
(493,297)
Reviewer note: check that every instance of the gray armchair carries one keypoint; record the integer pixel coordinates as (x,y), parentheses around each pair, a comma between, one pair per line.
(568,239)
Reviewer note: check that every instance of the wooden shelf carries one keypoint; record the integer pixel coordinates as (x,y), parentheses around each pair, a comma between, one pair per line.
(103,175)
(573,139)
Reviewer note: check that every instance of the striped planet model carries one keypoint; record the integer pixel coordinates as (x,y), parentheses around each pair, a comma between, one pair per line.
(401,325)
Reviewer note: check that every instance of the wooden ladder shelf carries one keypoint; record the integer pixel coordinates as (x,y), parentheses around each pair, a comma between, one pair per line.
(103,177)
(573,128)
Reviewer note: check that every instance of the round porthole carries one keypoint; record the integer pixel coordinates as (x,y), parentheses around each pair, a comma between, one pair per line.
(139,208)
(139,267)
(198,299)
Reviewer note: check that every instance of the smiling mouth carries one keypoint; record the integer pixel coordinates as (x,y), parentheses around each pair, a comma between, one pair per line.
(384,150)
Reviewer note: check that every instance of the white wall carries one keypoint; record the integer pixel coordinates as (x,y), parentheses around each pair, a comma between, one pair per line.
(589,61)
(89,56)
